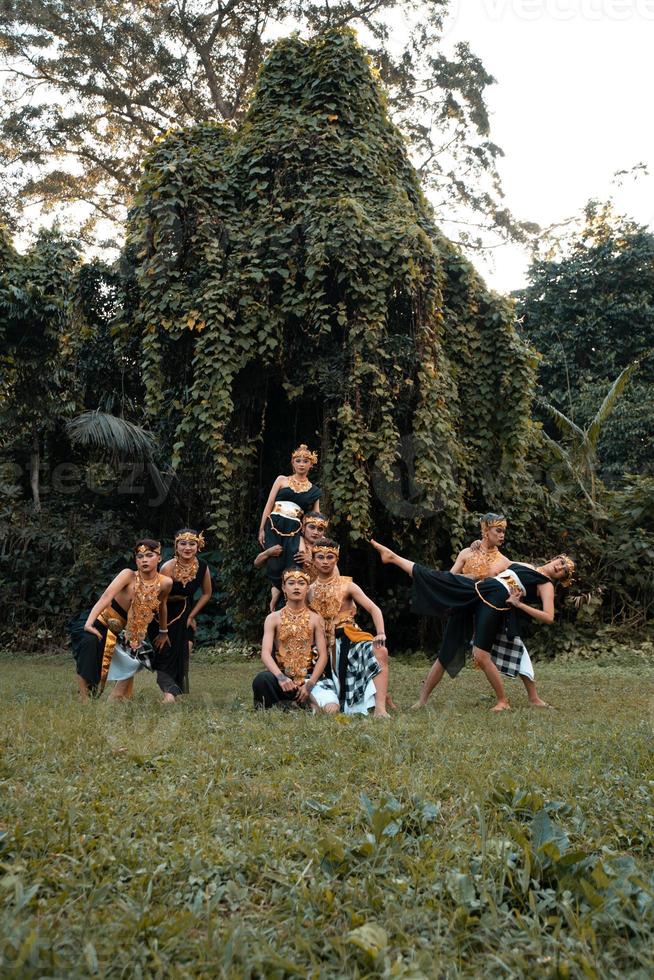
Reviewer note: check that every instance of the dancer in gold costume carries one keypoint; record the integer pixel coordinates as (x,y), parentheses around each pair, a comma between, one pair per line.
(359,661)
(129,603)
(292,670)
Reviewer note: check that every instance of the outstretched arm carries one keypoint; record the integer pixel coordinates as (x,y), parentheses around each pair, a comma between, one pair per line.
(119,583)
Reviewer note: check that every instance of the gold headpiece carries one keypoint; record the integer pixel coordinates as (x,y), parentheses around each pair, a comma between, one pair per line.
(296,571)
(143,548)
(303,450)
(321,522)
(192,537)
(324,550)
(497,520)
(570,570)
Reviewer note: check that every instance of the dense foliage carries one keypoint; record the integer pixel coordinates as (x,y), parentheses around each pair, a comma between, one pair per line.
(88,86)
(294,262)
(590,310)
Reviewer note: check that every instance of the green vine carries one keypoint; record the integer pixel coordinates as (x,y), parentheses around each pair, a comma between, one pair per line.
(299,247)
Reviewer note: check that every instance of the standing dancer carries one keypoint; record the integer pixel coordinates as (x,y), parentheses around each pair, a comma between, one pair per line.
(478,610)
(292,672)
(189,574)
(314,525)
(128,603)
(281,522)
(509,656)
(477,560)
(359,661)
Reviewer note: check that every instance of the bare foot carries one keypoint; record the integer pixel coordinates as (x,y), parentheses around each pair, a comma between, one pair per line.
(169,698)
(390,703)
(385,553)
(380,713)
(539,703)
(417,706)
(501,706)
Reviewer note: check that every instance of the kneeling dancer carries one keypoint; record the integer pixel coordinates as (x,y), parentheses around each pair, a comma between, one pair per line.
(359,661)
(128,603)
(480,610)
(292,671)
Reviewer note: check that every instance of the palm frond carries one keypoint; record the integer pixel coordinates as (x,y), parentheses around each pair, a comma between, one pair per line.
(607,406)
(565,459)
(564,424)
(112,435)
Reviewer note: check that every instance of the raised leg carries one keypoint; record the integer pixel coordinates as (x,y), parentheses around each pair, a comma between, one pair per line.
(389,557)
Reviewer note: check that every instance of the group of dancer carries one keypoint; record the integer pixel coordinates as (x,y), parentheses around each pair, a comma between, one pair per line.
(143,618)
(314,653)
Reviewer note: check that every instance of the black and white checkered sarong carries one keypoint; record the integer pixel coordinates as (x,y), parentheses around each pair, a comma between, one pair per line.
(507,655)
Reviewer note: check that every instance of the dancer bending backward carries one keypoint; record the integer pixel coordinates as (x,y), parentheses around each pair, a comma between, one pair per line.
(359,661)
(509,656)
(292,670)
(190,574)
(281,521)
(479,610)
(314,526)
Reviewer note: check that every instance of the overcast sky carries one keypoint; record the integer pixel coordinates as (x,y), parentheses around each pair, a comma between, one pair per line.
(572,105)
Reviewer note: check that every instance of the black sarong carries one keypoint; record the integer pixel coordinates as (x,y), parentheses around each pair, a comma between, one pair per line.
(470,621)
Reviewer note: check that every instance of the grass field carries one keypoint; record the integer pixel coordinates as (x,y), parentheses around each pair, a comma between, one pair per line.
(203,840)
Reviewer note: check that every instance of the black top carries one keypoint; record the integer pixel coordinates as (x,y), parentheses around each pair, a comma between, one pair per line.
(304,499)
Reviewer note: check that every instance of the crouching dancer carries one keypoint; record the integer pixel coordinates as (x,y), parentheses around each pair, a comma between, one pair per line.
(292,671)
(128,603)
(359,661)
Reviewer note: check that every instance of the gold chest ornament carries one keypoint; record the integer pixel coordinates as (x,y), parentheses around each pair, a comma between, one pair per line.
(294,643)
(144,605)
(185,571)
(480,562)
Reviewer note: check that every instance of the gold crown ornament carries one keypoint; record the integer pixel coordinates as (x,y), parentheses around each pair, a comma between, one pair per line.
(303,450)
(144,548)
(191,536)
(322,550)
(321,523)
(493,520)
(298,572)
(570,570)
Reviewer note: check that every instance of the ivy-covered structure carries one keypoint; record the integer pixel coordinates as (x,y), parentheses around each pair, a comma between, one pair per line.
(291,285)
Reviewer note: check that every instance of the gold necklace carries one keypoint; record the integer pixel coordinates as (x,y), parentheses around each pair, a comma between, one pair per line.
(185,571)
(294,638)
(299,484)
(479,563)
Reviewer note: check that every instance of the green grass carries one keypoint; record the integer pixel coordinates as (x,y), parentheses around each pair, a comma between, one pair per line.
(205,840)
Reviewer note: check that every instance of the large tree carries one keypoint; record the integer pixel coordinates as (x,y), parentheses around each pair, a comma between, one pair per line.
(293,286)
(89,85)
(589,309)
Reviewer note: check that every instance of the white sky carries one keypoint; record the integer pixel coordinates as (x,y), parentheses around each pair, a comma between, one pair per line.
(572,105)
